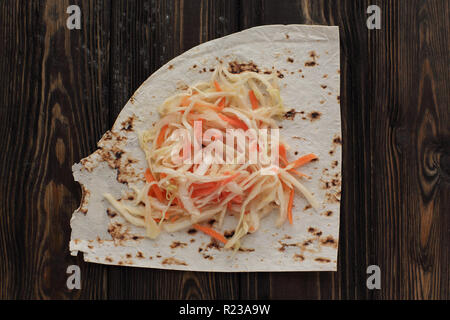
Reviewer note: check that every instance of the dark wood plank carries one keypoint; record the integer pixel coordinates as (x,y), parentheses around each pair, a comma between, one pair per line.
(146,35)
(410,149)
(53,109)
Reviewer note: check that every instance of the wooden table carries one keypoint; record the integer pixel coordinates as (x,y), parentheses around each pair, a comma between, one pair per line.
(61,89)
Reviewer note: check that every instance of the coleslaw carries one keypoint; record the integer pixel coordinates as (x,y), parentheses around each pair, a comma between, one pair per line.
(187,184)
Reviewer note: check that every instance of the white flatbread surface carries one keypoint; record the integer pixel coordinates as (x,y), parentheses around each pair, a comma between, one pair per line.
(306,59)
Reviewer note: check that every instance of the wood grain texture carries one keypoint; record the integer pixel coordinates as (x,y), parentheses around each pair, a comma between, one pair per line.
(54,103)
(61,89)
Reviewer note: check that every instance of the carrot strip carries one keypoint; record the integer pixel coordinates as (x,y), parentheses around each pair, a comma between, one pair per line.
(284,162)
(210,232)
(300,174)
(155,188)
(216,84)
(222,103)
(224,194)
(237,200)
(148,176)
(191,121)
(204,191)
(234,121)
(225,181)
(207,105)
(303,160)
(290,203)
(282,151)
(210,187)
(185,101)
(253,100)
(178,202)
(161,136)
(205,185)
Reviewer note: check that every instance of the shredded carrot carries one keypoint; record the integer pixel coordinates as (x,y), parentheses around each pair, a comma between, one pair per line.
(174,218)
(191,121)
(148,176)
(207,105)
(155,188)
(222,103)
(284,162)
(291,201)
(225,181)
(237,199)
(178,202)
(205,185)
(235,122)
(211,232)
(161,136)
(253,100)
(185,101)
(300,174)
(216,84)
(303,160)
(282,151)
(204,191)
(224,194)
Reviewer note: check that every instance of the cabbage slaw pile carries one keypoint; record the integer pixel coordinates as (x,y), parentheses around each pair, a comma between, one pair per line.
(177,195)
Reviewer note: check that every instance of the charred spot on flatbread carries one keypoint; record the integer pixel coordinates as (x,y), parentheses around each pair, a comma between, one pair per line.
(174,261)
(290,115)
(329,241)
(177,244)
(337,140)
(214,244)
(85,194)
(311,63)
(127,125)
(228,234)
(192,231)
(237,67)
(111,213)
(314,115)
(299,257)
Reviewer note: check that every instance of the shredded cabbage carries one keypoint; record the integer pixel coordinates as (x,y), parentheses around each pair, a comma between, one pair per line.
(179,194)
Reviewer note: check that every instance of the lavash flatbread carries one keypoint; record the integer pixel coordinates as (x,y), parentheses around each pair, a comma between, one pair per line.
(306,60)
